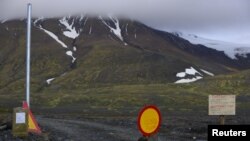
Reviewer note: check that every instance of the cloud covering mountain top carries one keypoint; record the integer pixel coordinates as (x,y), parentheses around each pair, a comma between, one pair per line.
(228,18)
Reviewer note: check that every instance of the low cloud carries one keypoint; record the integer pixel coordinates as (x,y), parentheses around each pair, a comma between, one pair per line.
(197,16)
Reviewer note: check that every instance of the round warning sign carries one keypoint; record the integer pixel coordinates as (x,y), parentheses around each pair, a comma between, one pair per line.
(149,120)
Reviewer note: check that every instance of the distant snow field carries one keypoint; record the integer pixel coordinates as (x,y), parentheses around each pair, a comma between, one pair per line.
(230,49)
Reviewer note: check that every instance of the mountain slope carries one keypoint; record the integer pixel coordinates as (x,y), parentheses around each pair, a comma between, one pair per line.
(70,52)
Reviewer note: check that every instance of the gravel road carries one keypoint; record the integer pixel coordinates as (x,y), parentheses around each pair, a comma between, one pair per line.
(69,128)
(102,129)
(76,130)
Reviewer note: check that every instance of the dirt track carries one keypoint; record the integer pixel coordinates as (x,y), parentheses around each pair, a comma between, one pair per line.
(60,128)
(86,130)
(72,128)
(112,130)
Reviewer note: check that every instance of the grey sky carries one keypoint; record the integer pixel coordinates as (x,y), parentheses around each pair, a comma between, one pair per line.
(227,20)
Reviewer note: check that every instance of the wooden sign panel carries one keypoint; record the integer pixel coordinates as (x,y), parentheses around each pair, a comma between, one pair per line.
(221,105)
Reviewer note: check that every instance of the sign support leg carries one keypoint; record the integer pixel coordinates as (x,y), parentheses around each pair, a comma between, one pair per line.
(222,120)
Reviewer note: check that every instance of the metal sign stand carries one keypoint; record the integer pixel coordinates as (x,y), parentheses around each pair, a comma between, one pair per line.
(222,119)
(28,55)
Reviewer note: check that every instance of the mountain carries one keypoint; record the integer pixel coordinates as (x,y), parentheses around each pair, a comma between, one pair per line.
(74,51)
(232,50)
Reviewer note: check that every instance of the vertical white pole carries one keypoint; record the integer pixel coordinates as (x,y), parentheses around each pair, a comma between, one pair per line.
(28,55)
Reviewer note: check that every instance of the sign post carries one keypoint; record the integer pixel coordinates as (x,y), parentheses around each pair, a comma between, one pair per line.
(149,121)
(28,55)
(221,105)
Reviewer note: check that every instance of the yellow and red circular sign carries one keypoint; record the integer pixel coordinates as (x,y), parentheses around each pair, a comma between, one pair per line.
(149,120)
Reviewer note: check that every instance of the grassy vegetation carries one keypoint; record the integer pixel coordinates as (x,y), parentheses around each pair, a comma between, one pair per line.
(4,110)
(127,99)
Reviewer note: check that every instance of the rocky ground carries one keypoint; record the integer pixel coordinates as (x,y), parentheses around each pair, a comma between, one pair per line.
(76,130)
(116,129)
(72,128)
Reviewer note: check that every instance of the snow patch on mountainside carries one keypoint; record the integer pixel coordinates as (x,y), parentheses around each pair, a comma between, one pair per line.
(70,53)
(53,36)
(70,30)
(40,18)
(90,30)
(230,49)
(85,21)
(49,80)
(191,75)
(190,71)
(207,72)
(82,17)
(126,29)
(188,80)
(242,51)
(116,30)
(181,74)
(3,21)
